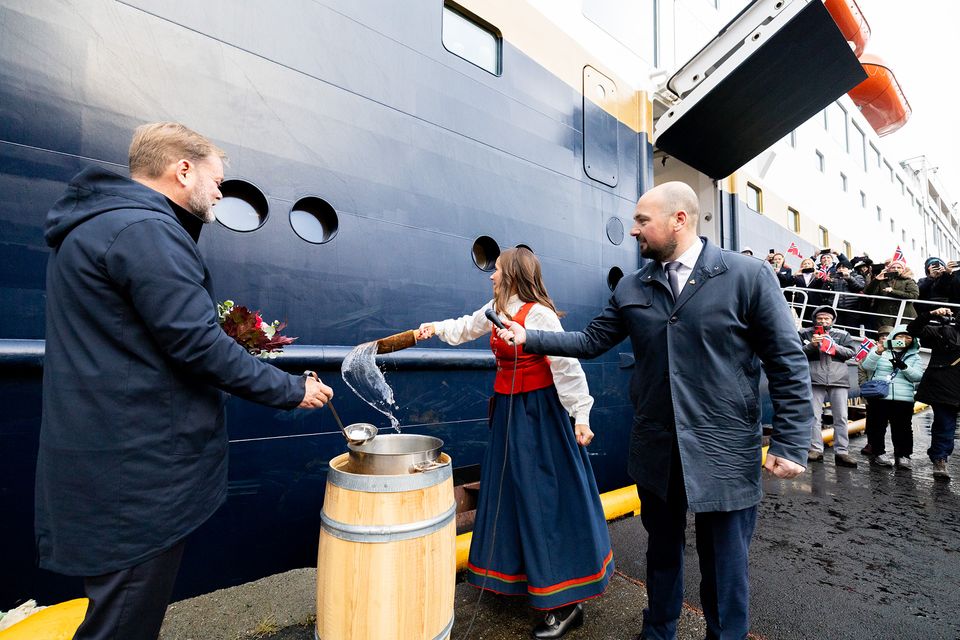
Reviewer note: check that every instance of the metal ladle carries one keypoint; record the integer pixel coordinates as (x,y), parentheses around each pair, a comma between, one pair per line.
(358,433)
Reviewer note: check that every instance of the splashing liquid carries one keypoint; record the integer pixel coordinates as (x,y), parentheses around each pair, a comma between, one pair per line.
(359,370)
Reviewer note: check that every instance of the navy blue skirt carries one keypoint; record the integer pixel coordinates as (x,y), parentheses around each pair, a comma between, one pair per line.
(549,539)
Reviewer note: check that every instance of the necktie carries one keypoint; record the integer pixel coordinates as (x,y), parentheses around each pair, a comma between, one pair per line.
(673,278)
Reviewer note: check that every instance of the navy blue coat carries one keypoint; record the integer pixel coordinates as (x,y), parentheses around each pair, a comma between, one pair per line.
(697,372)
(133,448)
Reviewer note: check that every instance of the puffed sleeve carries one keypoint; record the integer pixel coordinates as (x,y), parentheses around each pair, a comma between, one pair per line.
(568,376)
(465,328)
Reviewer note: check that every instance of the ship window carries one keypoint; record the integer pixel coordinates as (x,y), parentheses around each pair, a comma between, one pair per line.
(820,162)
(468,37)
(485,253)
(903,235)
(755,198)
(889,170)
(847,249)
(859,147)
(243,206)
(879,214)
(824,237)
(843,181)
(314,220)
(875,155)
(615,230)
(794,219)
(893,225)
(614,277)
(863,200)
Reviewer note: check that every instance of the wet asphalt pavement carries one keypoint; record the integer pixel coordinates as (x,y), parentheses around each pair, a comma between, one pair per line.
(866,553)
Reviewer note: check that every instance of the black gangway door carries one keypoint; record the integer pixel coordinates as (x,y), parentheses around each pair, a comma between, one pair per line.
(769,70)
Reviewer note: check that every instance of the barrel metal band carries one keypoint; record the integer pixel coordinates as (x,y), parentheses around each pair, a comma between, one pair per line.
(389,484)
(378,533)
(443,634)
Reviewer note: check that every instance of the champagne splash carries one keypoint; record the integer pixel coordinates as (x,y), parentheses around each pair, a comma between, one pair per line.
(359,370)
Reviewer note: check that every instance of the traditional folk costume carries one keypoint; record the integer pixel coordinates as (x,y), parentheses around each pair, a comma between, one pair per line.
(549,539)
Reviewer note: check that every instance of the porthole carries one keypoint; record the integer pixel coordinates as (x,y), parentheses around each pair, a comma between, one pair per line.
(314,220)
(613,277)
(485,253)
(615,230)
(243,207)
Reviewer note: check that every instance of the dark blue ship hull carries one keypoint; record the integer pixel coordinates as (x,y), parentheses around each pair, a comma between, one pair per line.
(418,152)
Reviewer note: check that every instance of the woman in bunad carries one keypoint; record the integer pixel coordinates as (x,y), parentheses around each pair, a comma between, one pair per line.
(540,529)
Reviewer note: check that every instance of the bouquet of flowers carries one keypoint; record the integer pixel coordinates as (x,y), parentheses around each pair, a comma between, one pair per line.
(260,338)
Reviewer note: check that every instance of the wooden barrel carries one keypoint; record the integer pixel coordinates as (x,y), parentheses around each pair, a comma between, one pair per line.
(386,568)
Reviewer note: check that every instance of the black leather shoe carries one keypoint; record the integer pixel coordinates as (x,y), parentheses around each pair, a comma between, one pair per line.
(553,626)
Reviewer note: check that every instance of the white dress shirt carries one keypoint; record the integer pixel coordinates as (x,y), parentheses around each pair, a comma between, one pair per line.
(568,376)
(687,260)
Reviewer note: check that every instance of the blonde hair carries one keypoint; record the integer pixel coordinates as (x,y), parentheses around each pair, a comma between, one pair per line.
(155,146)
(520,270)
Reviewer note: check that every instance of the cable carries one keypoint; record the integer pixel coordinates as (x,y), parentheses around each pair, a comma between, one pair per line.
(496,514)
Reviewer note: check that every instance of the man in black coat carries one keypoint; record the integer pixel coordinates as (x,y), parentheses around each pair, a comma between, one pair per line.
(940,385)
(700,321)
(133,448)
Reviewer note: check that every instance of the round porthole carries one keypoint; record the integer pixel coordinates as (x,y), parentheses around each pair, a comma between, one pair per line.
(613,277)
(485,253)
(243,207)
(314,220)
(615,231)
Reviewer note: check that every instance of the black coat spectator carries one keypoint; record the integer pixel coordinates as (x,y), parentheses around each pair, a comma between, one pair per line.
(941,284)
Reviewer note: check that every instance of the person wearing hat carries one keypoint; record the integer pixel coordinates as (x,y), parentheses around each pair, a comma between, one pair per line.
(941,283)
(862,376)
(747,251)
(827,350)
(897,360)
(893,284)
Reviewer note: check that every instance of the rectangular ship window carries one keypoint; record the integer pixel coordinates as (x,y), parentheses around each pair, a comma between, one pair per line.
(794,219)
(467,36)
(755,198)
(824,237)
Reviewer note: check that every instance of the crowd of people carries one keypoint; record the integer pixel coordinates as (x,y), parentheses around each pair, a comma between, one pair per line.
(890,370)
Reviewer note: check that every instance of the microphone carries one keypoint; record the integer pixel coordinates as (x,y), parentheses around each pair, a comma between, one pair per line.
(492,317)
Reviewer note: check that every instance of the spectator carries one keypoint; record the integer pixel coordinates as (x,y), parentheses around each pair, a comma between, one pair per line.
(903,368)
(826,260)
(747,251)
(784,273)
(864,375)
(861,266)
(941,284)
(844,280)
(830,381)
(940,385)
(808,279)
(893,284)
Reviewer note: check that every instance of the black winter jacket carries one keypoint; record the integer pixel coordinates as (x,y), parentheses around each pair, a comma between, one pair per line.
(133,447)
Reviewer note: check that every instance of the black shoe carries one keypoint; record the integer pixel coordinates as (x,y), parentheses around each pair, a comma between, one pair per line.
(553,626)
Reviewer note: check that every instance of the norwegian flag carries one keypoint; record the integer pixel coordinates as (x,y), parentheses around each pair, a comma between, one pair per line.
(794,250)
(898,255)
(827,345)
(864,349)
(823,272)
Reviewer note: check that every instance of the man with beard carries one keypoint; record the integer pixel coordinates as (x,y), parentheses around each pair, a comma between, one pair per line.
(700,320)
(133,446)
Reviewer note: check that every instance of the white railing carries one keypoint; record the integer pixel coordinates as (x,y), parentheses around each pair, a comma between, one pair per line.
(799,300)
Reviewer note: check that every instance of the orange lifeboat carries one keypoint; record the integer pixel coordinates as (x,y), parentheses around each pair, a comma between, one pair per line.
(879,97)
(852,24)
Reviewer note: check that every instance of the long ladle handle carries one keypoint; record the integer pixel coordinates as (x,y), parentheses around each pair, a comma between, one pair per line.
(336,416)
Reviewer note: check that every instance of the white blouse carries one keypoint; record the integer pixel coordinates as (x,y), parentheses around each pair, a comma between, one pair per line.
(568,376)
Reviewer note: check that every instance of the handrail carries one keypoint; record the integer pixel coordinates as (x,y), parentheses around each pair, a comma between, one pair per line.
(860,330)
(27,356)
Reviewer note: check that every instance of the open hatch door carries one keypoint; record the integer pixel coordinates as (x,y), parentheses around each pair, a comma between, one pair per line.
(775,65)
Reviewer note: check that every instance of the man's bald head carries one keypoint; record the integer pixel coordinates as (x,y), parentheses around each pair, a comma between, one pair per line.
(672,197)
(665,221)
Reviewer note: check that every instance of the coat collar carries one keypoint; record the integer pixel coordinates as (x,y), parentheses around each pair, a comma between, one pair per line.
(709,265)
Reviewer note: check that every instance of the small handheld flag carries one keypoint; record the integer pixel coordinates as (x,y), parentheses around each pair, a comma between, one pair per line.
(898,255)
(864,349)
(827,345)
